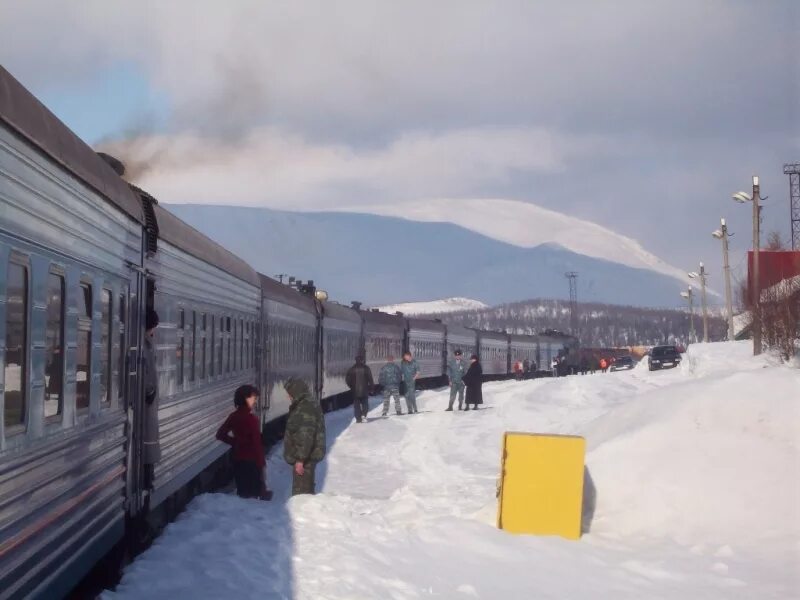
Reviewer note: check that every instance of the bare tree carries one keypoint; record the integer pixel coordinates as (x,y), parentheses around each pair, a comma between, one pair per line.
(780,316)
(775,241)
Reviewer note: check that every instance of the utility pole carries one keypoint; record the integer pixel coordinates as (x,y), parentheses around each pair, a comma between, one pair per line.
(756,291)
(702,277)
(689,295)
(280,277)
(572,276)
(722,234)
(703,300)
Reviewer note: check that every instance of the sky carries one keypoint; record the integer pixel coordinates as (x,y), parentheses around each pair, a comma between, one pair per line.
(641,116)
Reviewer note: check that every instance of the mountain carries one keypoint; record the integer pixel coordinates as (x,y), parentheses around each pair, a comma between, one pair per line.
(383,260)
(446,305)
(528,226)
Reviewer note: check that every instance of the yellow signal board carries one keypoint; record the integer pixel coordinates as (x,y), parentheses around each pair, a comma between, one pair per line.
(541,486)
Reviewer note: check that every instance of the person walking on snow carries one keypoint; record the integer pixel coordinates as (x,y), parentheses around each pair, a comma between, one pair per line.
(455,375)
(389,378)
(473,380)
(359,380)
(304,440)
(410,371)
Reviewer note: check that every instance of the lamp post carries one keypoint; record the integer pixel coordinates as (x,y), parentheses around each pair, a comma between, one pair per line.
(701,275)
(755,291)
(722,234)
(689,295)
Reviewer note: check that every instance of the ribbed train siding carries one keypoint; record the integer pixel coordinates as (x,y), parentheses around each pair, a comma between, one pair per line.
(190,413)
(292,335)
(461,338)
(427,345)
(61,479)
(494,353)
(341,341)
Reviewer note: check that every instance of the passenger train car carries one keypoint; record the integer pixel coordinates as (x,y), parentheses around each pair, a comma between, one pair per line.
(83,255)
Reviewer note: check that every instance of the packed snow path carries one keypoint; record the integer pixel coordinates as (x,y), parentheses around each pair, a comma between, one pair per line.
(696,472)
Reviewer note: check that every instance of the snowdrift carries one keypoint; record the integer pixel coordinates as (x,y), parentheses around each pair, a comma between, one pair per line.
(710,459)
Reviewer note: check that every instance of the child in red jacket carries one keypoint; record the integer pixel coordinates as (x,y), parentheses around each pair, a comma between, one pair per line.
(248,452)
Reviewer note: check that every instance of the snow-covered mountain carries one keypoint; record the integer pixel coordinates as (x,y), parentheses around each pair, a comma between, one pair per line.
(528,225)
(381,260)
(447,305)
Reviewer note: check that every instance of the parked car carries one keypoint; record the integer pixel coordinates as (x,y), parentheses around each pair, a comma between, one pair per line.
(623,363)
(663,356)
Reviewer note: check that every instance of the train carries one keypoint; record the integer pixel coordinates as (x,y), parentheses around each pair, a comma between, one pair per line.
(83,256)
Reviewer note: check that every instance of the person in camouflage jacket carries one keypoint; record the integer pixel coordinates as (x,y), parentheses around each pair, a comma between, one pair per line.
(304,440)
(390,377)
(410,371)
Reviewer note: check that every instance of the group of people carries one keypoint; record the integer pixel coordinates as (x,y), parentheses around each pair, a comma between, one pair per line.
(396,380)
(524,369)
(304,441)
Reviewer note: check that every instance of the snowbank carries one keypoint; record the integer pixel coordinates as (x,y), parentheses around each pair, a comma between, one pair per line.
(712,461)
(701,360)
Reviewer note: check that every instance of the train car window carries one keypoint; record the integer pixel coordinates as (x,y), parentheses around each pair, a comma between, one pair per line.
(193,347)
(245,336)
(221,348)
(228,336)
(106,343)
(16,361)
(212,346)
(54,347)
(203,346)
(122,348)
(235,346)
(180,346)
(83,359)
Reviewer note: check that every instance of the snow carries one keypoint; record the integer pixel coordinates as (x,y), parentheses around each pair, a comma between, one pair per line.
(446,305)
(527,225)
(695,472)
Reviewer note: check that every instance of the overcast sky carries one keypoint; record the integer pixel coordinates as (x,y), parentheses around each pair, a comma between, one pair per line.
(643,116)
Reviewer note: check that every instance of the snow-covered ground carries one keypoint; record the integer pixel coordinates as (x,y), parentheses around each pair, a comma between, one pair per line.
(446,305)
(696,474)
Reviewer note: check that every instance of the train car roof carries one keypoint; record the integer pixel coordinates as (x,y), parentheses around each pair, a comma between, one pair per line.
(24,114)
(493,335)
(461,330)
(191,241)
(274,290)
(340,311)
(371,316)
(426,324)
(523,337)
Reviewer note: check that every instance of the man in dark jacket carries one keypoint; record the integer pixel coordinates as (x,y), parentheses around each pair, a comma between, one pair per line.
(304,440)
(151,453)
(473,380)
(359,380)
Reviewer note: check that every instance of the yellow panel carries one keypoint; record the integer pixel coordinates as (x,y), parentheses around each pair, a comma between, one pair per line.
(541,488)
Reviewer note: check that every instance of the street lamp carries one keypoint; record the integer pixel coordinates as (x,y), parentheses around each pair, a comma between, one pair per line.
(689,295)
(702,277)
(722,234)
(755,292)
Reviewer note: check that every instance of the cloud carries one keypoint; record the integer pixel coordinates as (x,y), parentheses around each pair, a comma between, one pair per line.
(642,116)
(276,168)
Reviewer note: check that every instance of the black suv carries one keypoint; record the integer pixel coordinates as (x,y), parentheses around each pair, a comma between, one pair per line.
(663,356)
